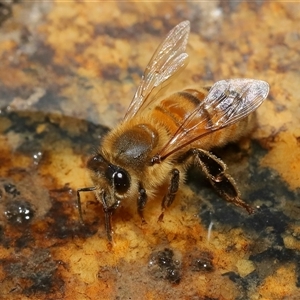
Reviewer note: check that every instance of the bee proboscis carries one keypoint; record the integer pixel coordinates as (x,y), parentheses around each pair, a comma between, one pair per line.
(158,139)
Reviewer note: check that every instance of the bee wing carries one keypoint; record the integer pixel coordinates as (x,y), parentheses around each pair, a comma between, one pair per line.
(227,102)
(168,58)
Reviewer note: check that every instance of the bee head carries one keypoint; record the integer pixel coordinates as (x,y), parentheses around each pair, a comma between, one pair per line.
(111,182)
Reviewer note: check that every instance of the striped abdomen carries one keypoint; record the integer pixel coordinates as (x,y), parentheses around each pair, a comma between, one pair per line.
(173,111)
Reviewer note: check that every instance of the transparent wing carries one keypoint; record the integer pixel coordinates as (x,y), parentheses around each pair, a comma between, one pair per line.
(168,59)
(227,102)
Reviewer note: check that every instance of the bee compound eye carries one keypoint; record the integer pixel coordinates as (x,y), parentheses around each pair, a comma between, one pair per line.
(121,181)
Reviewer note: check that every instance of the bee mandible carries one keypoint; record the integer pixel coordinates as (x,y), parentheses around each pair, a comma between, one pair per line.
(158,139)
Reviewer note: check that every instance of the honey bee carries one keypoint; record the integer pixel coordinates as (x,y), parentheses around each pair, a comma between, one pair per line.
(151,149)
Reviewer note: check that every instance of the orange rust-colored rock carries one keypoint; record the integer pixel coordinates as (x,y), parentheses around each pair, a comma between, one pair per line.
(68,70)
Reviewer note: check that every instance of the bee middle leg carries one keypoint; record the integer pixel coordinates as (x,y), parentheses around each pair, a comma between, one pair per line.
(141,202)
(215,170)
(172,191)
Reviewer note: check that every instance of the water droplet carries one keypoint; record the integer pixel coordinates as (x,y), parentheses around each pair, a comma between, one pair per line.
(163,265)
(19,212)
(37,156)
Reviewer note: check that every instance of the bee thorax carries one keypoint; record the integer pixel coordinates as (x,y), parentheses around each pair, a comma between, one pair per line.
(134,146)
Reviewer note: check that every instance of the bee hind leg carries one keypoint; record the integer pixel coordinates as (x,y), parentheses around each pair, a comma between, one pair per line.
(214,168)
(172,191)
(228,191)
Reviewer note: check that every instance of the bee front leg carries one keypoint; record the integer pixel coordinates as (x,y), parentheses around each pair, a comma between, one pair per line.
(141,202)
(214,168)
(87,189)
(108,214)
(172,191)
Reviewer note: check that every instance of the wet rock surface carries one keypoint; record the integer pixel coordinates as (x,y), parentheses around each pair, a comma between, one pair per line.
(68,72)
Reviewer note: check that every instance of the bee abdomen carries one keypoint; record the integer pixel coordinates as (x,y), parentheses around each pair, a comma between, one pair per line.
(172,113)
(174,110)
